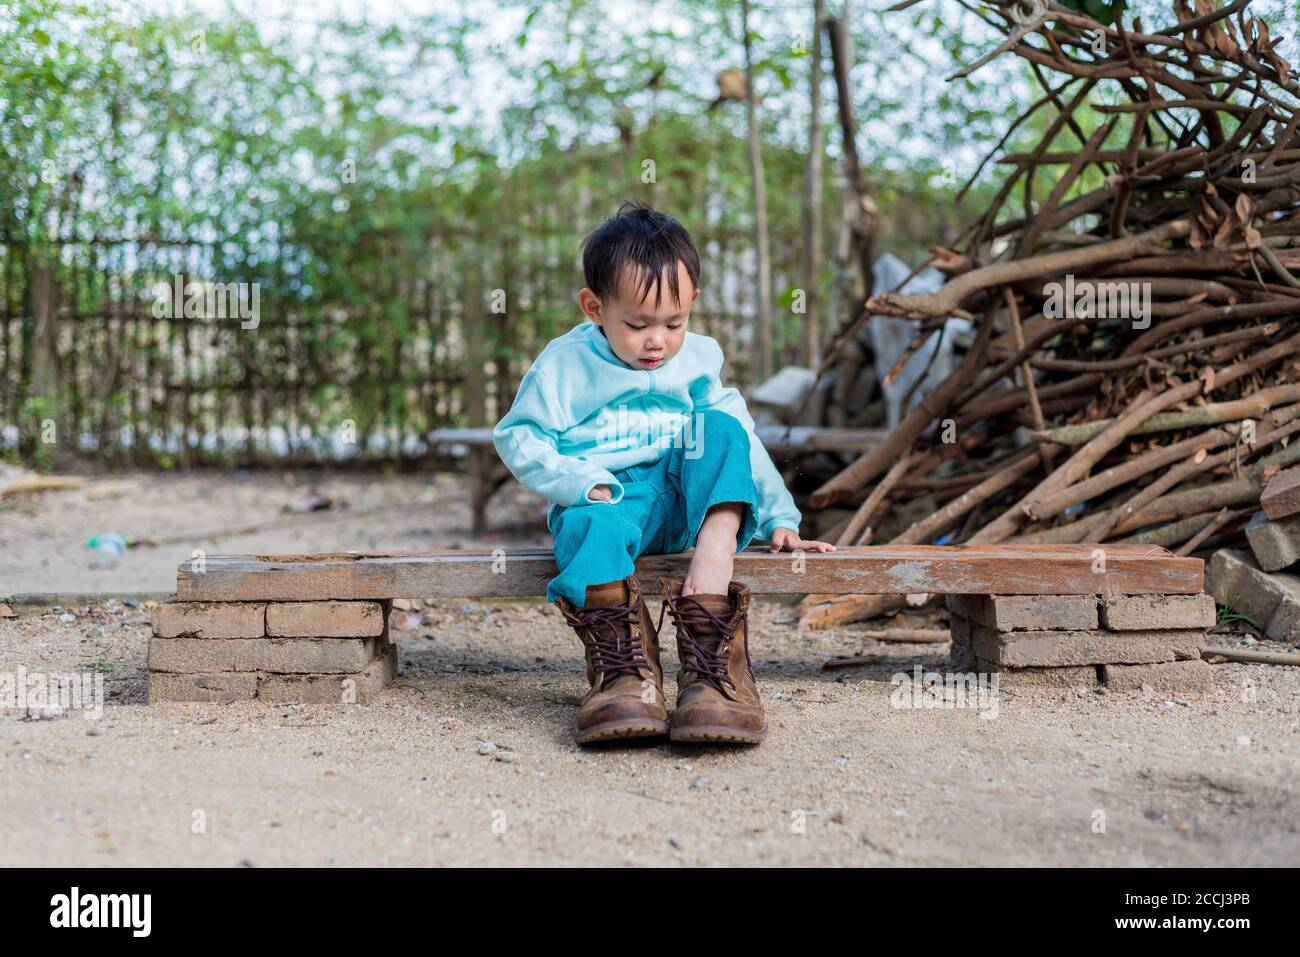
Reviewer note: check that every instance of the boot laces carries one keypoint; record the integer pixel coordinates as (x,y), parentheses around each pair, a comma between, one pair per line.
(615,644)
(698,658)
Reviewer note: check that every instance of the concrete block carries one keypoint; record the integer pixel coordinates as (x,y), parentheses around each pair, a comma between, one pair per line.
(1168,676)
(1023,612)
(325,619)
(1281,496)
(1144,612)
(1284,623)
(210,619)
(222,687)
(961,654)
(359,688)
(1056,649)
(1272,601)
(1234,580)
(288,655)
(1079,676)
(1275,544)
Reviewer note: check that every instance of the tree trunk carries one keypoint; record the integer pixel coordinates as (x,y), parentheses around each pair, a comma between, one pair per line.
(46,372)
(812,205)
(763,319)
(861,218)
(474,329)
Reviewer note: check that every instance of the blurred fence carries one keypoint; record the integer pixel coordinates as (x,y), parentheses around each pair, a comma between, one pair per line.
(384,311)
(93,349)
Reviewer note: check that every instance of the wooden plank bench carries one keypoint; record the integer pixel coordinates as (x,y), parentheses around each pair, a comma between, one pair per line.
(860,570)
(487,473)
(314,627)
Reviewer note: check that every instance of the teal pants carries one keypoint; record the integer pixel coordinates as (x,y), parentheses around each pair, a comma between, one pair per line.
(664,503)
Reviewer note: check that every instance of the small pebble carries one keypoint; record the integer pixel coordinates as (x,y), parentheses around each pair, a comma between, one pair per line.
(1243,740)
(486,747)
(699,783)
(506,756)
(675,842)
(67,616)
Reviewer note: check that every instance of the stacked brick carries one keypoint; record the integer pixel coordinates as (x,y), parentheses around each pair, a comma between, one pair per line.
(1072,641)
(315,652)
(1264,583)
(1274,531)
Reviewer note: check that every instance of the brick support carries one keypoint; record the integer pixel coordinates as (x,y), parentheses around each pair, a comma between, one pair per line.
(1146,612)
(210,619)
(1017,612)
(325,619)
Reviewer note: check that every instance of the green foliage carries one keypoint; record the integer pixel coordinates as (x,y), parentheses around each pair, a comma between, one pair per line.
(373,177)
(1226,615)
(1100,10)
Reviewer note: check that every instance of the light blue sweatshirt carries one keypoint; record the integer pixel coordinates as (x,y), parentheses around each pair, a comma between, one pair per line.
(581,413)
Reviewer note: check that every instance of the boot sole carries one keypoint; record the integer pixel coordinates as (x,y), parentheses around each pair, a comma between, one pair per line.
(614,730)
(716,734)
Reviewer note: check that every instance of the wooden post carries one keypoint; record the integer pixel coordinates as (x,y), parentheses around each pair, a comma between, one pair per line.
(860,213)
(812,197)
(763,319)
(43,297)
(474,319)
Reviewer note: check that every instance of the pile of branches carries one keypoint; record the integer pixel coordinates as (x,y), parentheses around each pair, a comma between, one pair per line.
(1135,371)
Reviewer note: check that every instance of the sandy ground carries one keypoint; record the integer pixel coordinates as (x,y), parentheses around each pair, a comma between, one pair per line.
(42,538)
(1056,778)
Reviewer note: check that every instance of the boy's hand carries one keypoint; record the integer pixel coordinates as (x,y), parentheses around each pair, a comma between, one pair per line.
(600,493)
(788,539)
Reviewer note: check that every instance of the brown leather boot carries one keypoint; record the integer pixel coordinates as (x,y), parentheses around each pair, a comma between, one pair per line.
(717,699)
(626,699)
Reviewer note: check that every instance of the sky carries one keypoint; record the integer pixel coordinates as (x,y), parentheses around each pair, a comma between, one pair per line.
(491,89)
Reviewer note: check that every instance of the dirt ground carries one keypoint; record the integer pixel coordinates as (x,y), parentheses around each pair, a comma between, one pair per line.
(469,757)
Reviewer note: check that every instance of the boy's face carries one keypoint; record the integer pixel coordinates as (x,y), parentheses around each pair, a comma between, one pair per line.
(643,335)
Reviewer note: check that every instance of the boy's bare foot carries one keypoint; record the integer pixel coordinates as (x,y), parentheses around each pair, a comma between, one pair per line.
(711,567)
(715,551)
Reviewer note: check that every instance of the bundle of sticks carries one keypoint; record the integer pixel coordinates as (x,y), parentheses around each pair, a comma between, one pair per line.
(1135,370)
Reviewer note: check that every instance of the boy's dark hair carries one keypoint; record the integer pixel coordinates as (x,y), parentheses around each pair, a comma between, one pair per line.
(646,239)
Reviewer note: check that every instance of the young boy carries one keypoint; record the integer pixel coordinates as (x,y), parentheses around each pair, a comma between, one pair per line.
(622,423)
